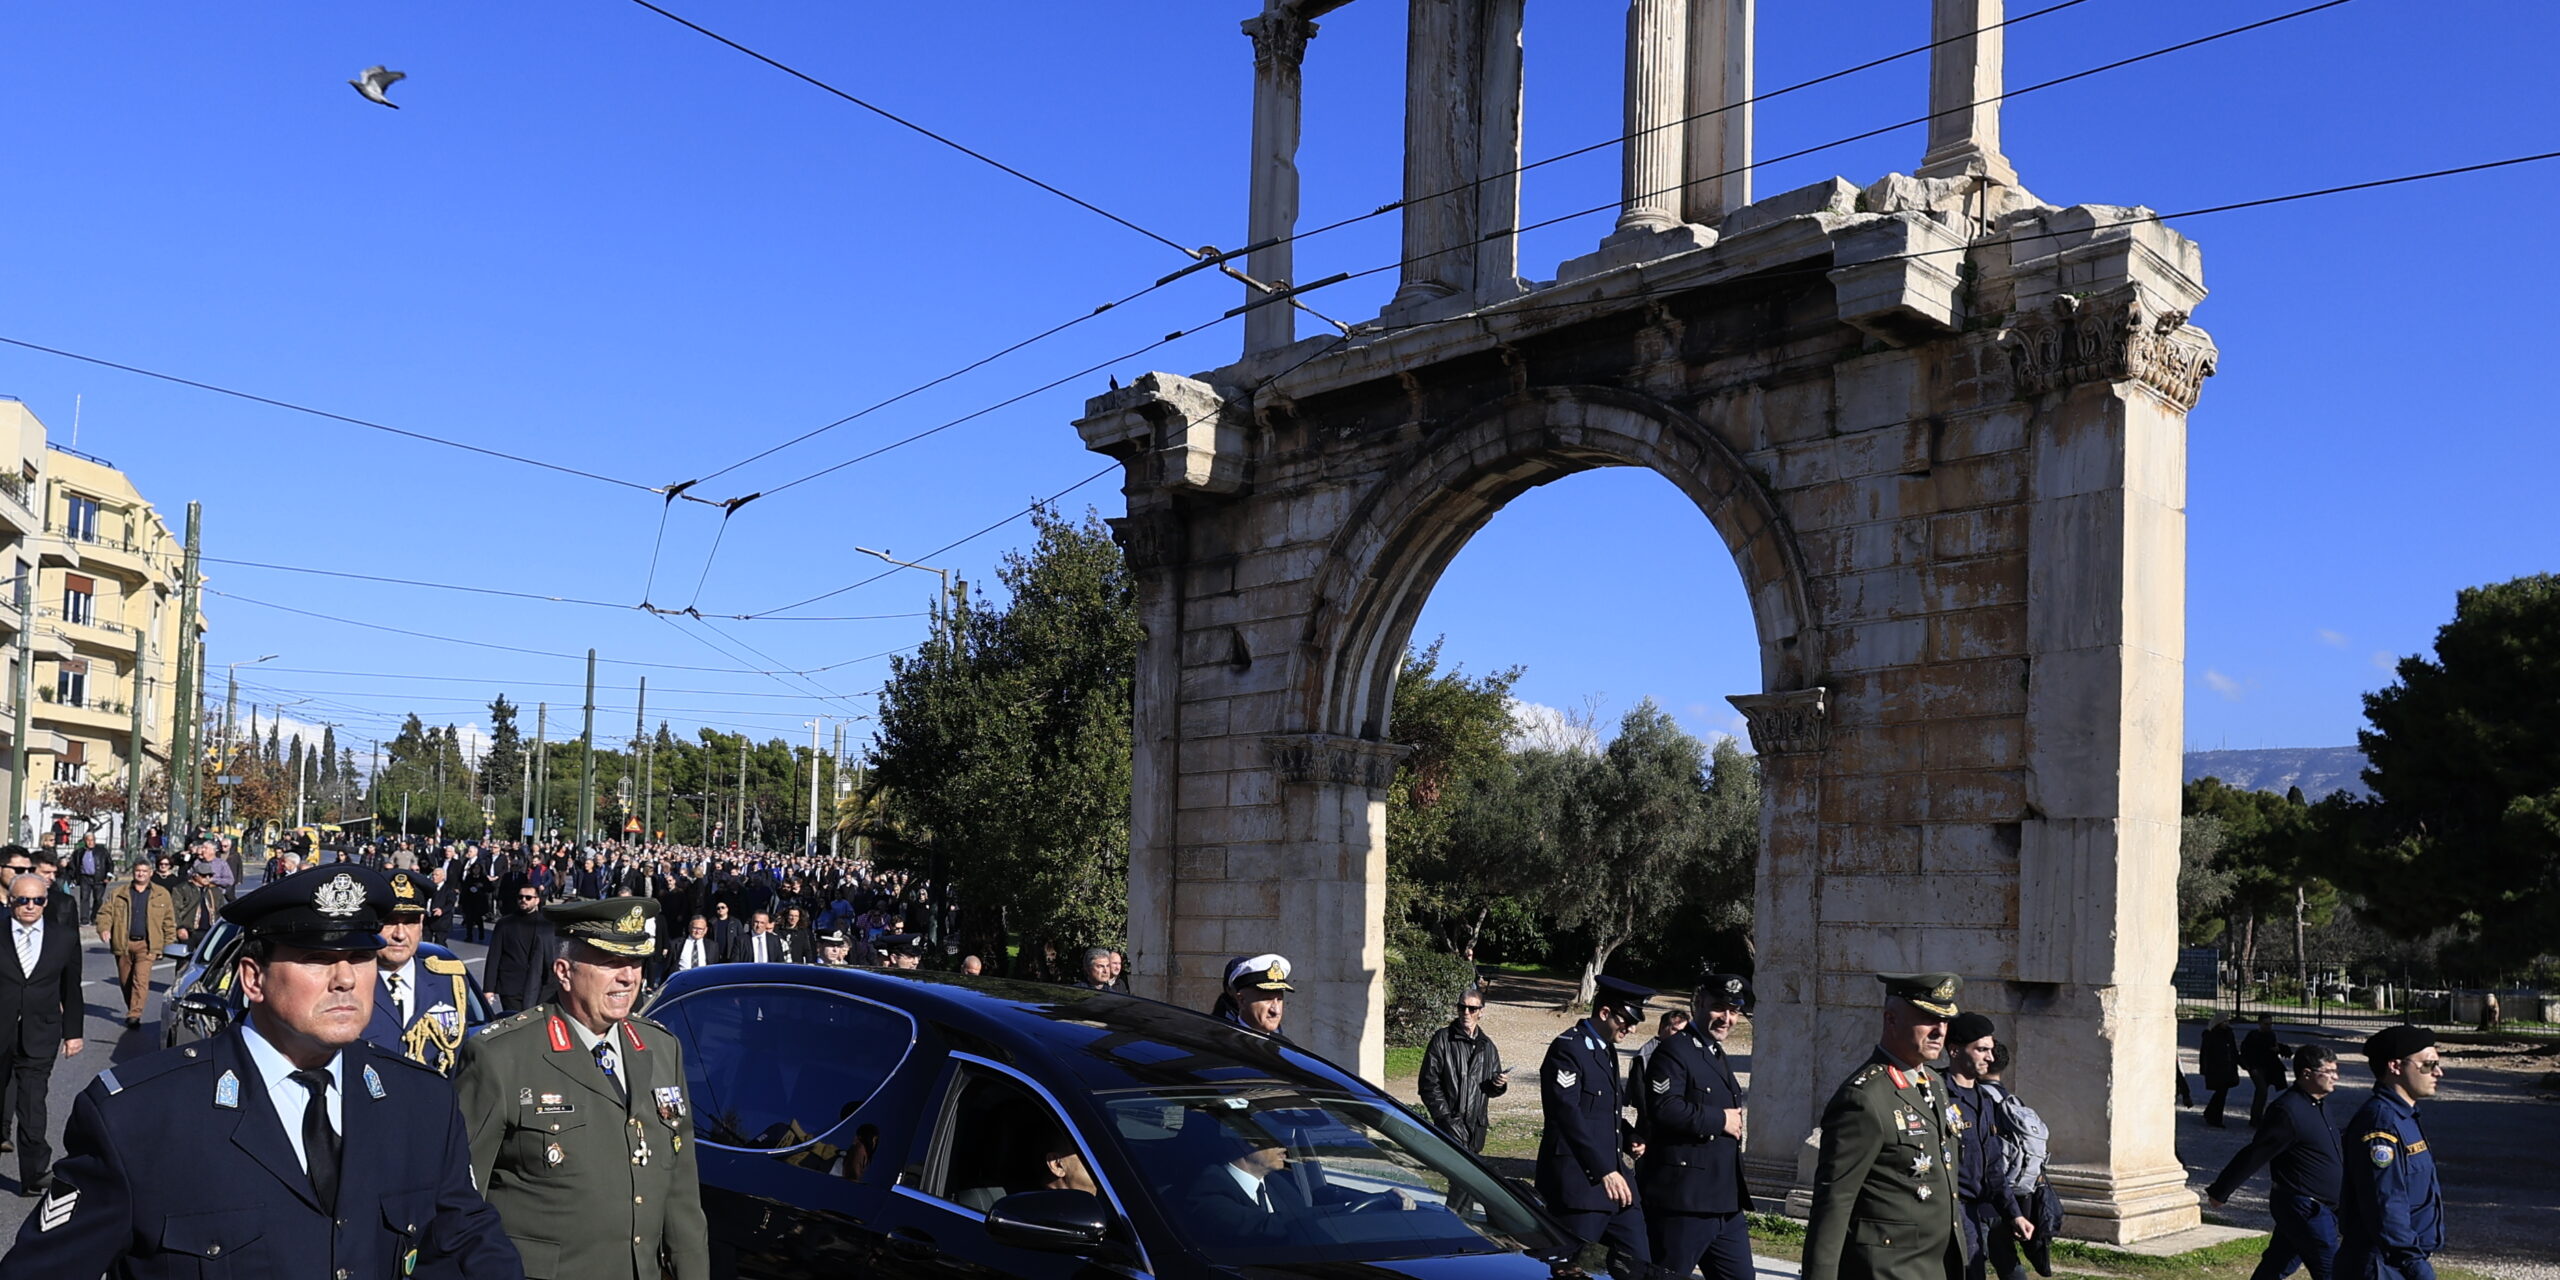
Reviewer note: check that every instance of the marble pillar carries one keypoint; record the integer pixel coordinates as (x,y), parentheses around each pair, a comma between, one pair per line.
(1964,75)
(1461,156)
(1717,133)
(1279,38)
(1657,95)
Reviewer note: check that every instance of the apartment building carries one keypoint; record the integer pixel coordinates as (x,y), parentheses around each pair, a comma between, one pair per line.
(91,574)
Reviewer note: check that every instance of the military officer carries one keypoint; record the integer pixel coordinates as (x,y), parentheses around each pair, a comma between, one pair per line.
(1579,1170)
(420,1001)
(1884,1190)
(1256,996)
(581,1128)
(2390,1210)
(225,1155)
(1695,1200)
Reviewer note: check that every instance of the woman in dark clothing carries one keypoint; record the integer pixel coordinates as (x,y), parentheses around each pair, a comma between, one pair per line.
(2220,1065)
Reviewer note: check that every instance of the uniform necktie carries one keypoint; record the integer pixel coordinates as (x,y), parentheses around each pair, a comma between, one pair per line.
(1262,1193)
(319,1140)
(399,995)
(608,1060)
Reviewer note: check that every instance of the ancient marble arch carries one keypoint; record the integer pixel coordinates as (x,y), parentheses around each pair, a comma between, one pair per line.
(1939,424)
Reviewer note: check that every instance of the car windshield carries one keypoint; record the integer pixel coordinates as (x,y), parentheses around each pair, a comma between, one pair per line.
(1277,1174)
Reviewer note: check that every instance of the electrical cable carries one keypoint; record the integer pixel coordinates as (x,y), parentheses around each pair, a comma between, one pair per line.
(323,413)
(504,648)
(894,118)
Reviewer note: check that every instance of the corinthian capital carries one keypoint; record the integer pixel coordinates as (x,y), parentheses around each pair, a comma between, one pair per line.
(1279,33)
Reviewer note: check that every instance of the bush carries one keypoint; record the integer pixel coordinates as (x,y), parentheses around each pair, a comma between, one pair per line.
(1422,992)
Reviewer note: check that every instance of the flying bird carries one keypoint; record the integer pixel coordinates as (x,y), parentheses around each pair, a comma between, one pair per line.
(375,84)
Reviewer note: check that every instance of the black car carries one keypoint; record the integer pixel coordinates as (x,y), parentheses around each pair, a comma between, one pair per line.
(852,1122)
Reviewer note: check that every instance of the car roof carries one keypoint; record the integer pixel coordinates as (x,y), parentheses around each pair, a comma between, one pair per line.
(1107,1041)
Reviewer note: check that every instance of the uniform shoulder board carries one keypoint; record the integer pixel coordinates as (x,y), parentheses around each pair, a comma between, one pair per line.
(1569,1035)
(508,1023)
(152,1066)
(1866,1073)
(446,965)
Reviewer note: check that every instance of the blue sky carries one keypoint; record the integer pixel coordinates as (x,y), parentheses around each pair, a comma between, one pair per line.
(595,238)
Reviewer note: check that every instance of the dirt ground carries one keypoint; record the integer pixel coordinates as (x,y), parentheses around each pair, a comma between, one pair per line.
(2495,1126)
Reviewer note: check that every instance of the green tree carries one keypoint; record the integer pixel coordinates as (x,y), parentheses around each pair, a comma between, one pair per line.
(1004,757)
(1454,725)
(503,762)
(1638,830)
(2464,761)
(2204,885)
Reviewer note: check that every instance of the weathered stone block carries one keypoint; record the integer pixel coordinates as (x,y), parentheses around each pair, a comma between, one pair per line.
(1870,848)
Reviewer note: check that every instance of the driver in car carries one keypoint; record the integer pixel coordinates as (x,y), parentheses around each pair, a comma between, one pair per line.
(1257,1195)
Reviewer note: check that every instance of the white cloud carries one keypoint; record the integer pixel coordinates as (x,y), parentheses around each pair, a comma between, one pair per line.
(2333,639)
(2229,688)
(1537,726)
(2386,660)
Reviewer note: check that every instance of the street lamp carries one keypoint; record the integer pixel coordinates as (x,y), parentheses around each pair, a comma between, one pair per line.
(947,607)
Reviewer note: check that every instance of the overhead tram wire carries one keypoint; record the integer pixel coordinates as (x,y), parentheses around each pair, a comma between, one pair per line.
(905,123)
(777,679)
(369,425)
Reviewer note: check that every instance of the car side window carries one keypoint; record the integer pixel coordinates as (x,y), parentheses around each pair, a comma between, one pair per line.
(774,1068)
(1002,1138)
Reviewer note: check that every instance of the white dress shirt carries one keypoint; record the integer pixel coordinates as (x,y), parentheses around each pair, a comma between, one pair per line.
(275,1071)
(30,940)
(695,953)
(1253,1188)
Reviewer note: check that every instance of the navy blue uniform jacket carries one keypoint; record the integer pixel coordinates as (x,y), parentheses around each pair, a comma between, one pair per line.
(2390,1207)
(1691,1165)
(1578,1094)
(161,1178)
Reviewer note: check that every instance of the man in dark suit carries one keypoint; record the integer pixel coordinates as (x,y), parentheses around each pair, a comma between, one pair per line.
(284,1145)
(519,972)
(1695,1200)
(727,931)
(39,1001)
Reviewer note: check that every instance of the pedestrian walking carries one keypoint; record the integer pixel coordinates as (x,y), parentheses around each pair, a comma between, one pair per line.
(1884,1188)
(41,1016)
(1991,1206)
(2219,1062)
(518,970)
(2262,1056)
(137,922)
(2300,1137)
(1462,1072)
(581,1126)
(2390,1207)
(1581,1172)
(285,1145)
(1696,1201)
(2026,1147)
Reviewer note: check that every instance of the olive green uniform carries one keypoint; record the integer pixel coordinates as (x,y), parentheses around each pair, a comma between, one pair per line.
(1884,1193)
(571,1165)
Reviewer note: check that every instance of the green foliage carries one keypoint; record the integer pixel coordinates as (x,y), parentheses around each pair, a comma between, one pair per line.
(2204,885)
(1003,758)
(2464,827)
(1422,992)
(1455,725)
(1636,830)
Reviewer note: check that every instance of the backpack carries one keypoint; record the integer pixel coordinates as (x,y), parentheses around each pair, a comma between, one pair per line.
(2023,1139)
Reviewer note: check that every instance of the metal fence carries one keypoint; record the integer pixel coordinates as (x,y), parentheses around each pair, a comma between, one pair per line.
(2207,985)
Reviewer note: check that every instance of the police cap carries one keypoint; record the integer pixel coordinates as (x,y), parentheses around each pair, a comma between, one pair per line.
(833,938)
(615,926)
(1624,997)
(1928,992)
(2391,1044)
(338,907)
(908,944)
(409,893)
(1724,991)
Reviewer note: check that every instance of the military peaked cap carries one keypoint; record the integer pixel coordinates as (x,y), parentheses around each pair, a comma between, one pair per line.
(615,926)
(335,907)
(1930,992)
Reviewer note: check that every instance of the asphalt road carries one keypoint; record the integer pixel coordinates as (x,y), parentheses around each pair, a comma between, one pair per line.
(108,1043)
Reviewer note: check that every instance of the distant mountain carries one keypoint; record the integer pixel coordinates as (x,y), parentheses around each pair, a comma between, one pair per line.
(2317,770)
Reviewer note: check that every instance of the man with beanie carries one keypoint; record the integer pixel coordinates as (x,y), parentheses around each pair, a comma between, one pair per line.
(1982,1183)
(2390,1207)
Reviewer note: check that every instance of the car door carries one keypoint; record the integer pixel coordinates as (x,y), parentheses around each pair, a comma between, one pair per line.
(795,1090)
(994,1131)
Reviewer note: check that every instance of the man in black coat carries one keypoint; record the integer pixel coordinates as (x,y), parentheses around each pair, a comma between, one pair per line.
(1696,1204)
(2218,1060)
(39,1002)
(2263,1058)
(1461,1072)
(285,1145)
(519,972)
(2301,1136)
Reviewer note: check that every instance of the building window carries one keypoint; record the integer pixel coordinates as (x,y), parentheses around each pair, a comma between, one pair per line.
(73,764)
(71,684)
(79,599)
(82,521)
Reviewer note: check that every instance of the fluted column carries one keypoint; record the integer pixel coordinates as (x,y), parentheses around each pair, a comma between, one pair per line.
(1718,128)
(1279,38)
(1440,101)
(1657,90)
(1964,74)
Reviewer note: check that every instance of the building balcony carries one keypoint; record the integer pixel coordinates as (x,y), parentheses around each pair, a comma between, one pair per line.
(100,552)
(17,506)
(94,635)
(91,717)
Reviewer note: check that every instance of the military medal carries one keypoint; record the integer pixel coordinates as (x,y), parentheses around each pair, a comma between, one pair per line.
(670,1102)
(524,1097)
(553,1155)
(1926,1191)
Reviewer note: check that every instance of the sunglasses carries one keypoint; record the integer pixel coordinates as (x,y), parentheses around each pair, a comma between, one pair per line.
(26,902)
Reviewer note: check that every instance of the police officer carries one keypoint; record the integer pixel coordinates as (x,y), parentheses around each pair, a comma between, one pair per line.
(1695,1199)
(1579,1173)
(2390,1210)
(581,1129)
(286,1145)
(420,1001)
(835,950)
(1888,1152)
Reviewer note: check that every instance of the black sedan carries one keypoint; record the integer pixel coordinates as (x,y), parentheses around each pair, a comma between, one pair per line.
(862,1123)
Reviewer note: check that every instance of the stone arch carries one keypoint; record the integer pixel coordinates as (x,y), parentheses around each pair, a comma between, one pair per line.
(1404,532)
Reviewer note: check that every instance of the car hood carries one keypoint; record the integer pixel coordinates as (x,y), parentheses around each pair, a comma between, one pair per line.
(1475,1266)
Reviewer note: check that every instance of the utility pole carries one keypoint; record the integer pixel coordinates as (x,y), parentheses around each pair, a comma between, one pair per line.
(835,822)
(648,770)
(135,693)
(21,695)
(182,735)
(587,762)
(809,842)
(541,767)
(525,797)
(441,746)
(740,836)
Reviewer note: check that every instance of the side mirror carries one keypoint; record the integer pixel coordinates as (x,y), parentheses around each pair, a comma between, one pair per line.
(199,1005)
(1051,1221)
